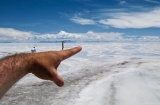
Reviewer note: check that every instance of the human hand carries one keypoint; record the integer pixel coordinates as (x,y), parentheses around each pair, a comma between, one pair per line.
(44,64)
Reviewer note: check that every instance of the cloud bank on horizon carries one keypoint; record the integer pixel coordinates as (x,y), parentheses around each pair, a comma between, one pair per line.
(85,20)
(12,35)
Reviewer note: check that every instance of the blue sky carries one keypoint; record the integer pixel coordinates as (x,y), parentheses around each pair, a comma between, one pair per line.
(45,19)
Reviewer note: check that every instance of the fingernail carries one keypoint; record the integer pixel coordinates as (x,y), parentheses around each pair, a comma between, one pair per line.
(79,47)
(60,84)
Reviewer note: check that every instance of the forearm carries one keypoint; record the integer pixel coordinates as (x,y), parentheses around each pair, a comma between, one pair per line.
(11,70)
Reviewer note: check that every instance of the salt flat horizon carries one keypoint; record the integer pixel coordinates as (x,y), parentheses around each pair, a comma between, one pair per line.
(101,74)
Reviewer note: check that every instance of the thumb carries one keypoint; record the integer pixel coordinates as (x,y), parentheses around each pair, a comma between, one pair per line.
(57,79)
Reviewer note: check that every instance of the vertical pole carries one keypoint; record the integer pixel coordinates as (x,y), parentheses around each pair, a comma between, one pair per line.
(62,45)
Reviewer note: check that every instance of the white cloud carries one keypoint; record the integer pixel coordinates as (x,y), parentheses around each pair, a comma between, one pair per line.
(133,20)
(80,36)
(12,33)
(103,35)
(122,2)
(9,34)
(153,1)
(83,21)
(150,38)
(120,18)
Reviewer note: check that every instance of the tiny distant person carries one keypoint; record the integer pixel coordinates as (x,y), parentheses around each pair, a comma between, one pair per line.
(33,50)
(63,44)
(42,64)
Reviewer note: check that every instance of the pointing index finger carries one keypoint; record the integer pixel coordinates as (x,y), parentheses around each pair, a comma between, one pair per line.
(70,52)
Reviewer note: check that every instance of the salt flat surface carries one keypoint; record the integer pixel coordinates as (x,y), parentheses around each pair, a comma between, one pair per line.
(111,73)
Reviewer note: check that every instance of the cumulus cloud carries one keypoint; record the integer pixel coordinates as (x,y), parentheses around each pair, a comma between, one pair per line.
(150,38)
(60,35)
(83,21)
(9,34)
(12,34)
(133,20)
(90,35)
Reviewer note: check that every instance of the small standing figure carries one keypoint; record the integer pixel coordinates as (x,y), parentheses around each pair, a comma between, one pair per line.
(63,44)
(33,50)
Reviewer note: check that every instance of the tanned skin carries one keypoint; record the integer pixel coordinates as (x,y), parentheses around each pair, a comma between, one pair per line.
(43,65)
